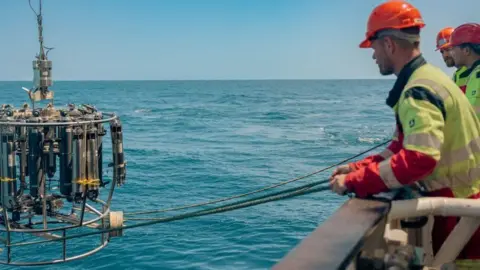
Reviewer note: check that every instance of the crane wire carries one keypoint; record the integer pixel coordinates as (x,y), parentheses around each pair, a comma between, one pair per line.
(254,191)
(30,3)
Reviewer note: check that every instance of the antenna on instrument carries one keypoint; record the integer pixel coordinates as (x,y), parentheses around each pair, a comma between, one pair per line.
(42,67)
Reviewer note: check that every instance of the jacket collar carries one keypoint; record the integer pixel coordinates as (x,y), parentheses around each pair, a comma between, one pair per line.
(467,72)
(475,65)
(402,79)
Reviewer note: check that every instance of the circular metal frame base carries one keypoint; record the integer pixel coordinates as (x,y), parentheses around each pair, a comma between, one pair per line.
(101,219)
(64,260)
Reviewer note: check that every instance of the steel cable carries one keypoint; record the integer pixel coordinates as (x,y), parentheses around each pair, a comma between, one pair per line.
(254,191)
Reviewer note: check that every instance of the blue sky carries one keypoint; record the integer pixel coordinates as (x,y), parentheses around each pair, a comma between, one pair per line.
(206,39)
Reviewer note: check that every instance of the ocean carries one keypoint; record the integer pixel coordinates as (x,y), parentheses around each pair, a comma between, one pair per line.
(191,141)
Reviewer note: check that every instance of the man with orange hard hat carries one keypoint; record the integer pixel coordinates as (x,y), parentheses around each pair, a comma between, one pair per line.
(443,45)
(465,42)
(436,146)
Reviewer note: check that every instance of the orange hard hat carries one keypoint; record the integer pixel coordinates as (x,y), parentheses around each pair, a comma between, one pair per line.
(443,38)
(391,15)
(466,33)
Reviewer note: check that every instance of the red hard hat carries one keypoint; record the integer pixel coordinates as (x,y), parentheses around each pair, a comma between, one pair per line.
(466,33)
(391,15)
(443,38)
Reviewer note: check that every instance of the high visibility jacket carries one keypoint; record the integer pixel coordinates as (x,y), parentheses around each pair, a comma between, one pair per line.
(436,145)
(460,78)
(473,87)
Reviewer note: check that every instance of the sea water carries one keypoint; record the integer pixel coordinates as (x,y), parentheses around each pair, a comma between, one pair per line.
(192,141)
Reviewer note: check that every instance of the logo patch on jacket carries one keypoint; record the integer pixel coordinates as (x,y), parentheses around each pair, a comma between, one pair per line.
(411,123)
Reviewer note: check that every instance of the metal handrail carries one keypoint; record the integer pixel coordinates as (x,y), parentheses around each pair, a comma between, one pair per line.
(335,243)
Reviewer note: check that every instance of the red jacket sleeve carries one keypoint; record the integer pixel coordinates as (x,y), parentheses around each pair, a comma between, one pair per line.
(391,149)
(406,166)
(365,162)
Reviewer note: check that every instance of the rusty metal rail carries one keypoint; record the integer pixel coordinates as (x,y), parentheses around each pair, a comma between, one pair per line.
(335,244)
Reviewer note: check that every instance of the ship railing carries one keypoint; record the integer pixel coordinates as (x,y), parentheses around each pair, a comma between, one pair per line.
(379,233)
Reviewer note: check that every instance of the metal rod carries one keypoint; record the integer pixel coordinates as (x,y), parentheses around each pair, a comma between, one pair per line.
(82,213)
(44,193)
(77,123)
(40,30)
(93,209)
(110,194)
(103,225)
(64,233)
(7,227)
(23,160)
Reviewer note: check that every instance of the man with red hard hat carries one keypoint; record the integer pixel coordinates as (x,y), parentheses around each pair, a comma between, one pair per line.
(443,45)
(436,145)
(465,42)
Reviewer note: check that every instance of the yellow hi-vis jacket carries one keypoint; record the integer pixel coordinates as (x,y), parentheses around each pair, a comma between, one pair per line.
(472,90)
(460,80)
(448,131)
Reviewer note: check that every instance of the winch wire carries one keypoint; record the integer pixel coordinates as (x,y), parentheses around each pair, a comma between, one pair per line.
(254,191)
(285,191)
(280,195)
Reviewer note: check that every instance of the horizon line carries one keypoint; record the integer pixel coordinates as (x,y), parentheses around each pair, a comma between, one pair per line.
(179,80)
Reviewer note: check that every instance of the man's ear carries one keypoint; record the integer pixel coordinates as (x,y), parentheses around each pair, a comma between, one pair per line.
(389,45)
